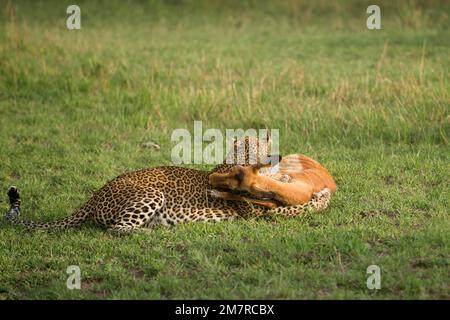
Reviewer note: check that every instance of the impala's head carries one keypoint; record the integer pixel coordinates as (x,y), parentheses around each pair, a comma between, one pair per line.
(242,178)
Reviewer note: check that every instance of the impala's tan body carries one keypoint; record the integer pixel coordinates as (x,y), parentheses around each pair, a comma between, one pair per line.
(293,181)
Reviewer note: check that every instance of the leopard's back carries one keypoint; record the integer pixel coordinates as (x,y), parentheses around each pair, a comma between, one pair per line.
(180,193)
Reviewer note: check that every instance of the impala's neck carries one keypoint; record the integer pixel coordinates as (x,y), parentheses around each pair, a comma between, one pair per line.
(268,183)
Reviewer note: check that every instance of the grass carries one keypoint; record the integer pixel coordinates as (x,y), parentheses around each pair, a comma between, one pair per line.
(372,106)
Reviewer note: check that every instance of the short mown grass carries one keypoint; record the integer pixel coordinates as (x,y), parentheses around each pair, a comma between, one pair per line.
(372,106)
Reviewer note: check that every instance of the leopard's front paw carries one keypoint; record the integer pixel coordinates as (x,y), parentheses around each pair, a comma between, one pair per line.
(323,193)
(285,178)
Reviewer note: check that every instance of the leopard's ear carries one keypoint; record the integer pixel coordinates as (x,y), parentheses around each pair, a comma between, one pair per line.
(274,159)
(268,137)
(265,136)
(280,157)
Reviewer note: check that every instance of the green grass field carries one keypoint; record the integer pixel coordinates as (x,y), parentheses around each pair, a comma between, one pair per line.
(372,106)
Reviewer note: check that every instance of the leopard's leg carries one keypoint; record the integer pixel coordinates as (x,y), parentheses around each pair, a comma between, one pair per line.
(319,202)
(139,212)
(236,197)
(321,199)
(208,214)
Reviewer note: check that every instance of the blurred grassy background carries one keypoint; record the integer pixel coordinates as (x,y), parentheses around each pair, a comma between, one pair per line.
(373,106)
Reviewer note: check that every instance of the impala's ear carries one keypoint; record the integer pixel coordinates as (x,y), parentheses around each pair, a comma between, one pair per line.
(256,167)
(273,162)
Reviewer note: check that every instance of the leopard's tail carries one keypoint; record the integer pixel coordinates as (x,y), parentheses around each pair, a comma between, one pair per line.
(13,215)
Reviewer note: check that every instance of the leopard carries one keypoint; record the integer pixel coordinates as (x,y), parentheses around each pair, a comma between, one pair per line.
(163,195)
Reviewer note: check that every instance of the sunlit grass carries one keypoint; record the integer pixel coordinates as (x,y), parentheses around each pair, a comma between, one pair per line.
(372,106)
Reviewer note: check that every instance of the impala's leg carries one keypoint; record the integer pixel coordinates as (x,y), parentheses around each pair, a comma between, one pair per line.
(264,203)
(294,193)
(319,201)
(235,197)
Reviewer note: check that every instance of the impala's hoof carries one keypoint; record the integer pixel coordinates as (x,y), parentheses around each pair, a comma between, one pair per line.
(213,193)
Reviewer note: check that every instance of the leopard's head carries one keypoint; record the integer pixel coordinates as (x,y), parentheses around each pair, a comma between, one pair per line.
(249,150)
